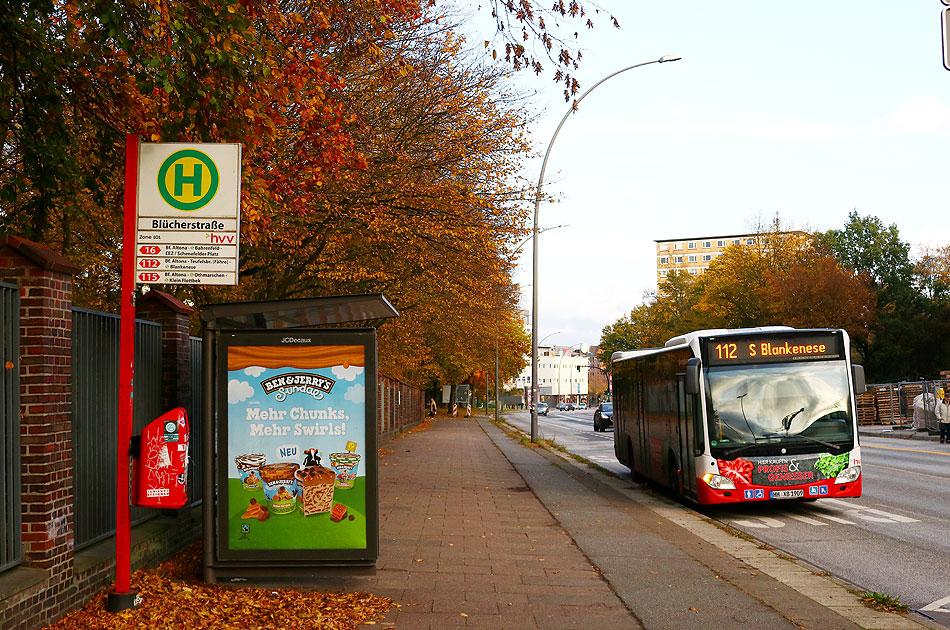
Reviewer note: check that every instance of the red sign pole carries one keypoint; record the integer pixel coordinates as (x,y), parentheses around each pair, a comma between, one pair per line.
(122,596)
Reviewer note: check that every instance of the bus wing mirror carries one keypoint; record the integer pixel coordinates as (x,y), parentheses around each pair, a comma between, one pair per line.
(857,375)
(692,376)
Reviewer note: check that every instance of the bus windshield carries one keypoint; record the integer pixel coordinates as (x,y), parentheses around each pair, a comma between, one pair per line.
(799,407)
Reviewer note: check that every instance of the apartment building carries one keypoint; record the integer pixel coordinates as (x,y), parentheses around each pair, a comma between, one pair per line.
(562,375)
(694,255)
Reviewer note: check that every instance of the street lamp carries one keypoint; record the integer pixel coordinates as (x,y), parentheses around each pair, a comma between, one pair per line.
(534,261)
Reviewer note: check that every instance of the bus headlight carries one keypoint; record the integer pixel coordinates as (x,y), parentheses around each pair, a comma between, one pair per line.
(718,482)
(848,475)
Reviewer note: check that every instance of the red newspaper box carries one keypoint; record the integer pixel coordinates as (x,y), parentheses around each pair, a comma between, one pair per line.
(160,472)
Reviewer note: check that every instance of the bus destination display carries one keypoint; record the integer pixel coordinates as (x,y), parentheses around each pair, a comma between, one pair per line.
(772,348)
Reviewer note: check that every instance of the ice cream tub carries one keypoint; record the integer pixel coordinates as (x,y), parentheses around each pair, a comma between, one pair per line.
(345,465)
(249,468)
(316,489)
(280,486)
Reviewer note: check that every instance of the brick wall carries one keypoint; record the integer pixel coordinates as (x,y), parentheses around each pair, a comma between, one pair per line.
(52,579)
(173,316)
(45,282)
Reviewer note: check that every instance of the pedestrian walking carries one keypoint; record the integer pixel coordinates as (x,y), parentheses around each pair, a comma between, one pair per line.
(943,416)
(432,408)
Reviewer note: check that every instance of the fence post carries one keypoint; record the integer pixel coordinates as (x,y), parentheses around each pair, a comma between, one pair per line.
(173,316)
(45,280)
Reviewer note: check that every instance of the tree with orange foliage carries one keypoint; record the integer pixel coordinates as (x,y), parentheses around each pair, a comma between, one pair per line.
(784,279)
(377,157)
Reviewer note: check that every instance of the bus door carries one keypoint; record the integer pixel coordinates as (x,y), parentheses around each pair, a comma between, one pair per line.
(642,459)
(686,428)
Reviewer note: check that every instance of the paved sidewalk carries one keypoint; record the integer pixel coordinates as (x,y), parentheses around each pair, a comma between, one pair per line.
(478,531)
(465,544)
(904,431)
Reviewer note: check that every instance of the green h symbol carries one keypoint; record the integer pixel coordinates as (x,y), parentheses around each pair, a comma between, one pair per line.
(204,169)
(181,179)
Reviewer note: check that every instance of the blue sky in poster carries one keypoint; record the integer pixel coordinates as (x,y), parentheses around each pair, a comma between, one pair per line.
(282,429)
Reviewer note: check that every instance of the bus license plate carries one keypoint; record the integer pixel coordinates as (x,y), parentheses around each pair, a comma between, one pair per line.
(787,494)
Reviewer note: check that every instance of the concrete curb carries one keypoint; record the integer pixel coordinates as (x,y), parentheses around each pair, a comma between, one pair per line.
(898,434)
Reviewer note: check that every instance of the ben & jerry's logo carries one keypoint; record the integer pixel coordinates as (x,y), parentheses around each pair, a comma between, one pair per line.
(283,385)
(188,180)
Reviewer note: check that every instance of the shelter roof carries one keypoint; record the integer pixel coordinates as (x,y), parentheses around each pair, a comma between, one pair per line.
(338,311)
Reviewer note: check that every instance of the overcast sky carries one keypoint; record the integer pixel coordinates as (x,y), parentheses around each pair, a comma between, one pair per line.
(808,109)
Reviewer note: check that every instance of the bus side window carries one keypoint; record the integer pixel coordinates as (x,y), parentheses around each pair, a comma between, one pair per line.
(699,434)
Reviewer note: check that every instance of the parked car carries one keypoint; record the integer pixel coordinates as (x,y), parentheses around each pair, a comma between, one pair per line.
(542,409)
(604,416)
(565,406)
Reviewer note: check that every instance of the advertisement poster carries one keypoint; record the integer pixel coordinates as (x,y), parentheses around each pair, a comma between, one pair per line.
(784,470)
(296,447)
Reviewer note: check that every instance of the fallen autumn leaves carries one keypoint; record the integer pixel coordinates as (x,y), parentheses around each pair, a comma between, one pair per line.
(173,597)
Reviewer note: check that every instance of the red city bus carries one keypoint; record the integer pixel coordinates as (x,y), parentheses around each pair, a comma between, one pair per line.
(753,414)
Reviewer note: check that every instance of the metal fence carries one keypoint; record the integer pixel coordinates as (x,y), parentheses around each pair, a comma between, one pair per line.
(901,403)
(95,389)
(11,553)
(194,409)
(398,406)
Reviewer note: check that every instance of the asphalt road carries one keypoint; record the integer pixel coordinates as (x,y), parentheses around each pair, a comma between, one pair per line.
(895,539)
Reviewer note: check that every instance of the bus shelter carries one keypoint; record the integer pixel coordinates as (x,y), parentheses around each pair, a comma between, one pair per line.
(289,445)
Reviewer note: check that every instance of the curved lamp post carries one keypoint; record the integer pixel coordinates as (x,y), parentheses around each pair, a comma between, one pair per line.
(534,261)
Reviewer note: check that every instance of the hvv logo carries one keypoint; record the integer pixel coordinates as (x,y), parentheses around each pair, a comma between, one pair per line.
(287,451)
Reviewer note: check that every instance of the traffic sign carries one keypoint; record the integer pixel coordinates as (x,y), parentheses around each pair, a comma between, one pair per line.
(188,214)
(189,181)
(945,23)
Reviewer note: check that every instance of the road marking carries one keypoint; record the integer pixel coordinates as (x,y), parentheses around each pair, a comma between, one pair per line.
(937,606)
(868,517)
(833,505)
(894,517)
(766,522)
(805,519)
(842,505)
(864,512)
(843,521)
(910,450)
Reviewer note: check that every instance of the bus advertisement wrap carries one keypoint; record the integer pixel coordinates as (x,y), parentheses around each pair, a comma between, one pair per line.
(783,471)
